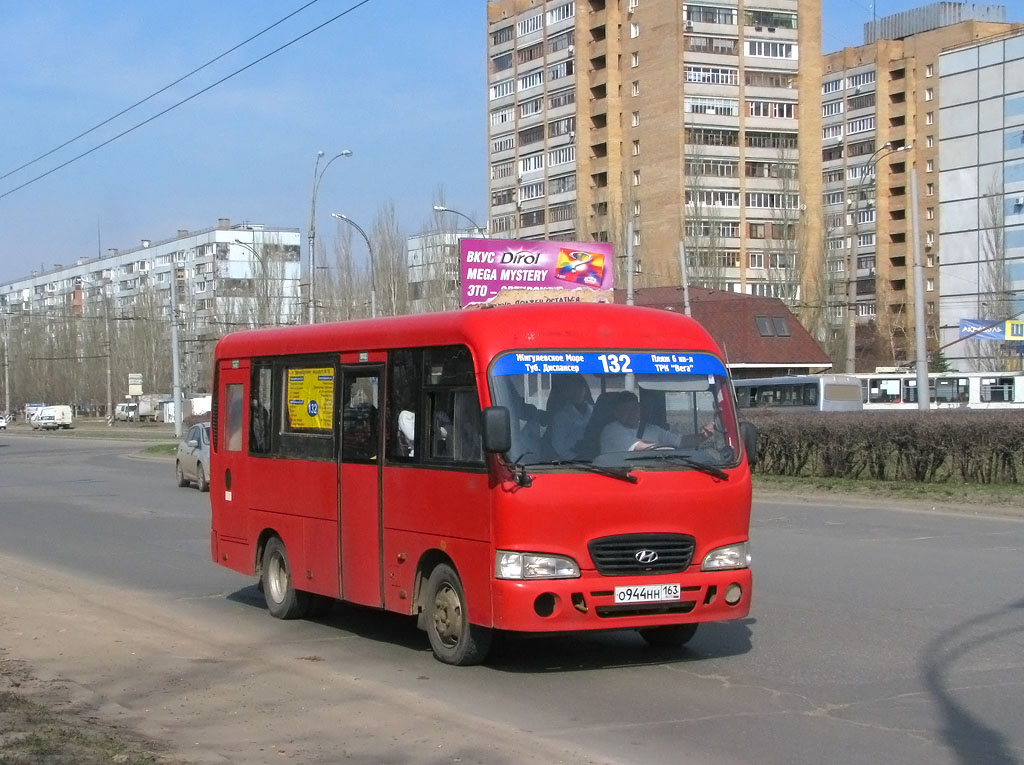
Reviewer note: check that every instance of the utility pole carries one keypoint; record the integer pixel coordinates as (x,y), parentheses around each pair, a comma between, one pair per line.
(175,370)
(7,362)
(920,342)
(106,337)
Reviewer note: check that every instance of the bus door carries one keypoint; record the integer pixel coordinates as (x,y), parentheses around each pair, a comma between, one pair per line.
(360,458)
(227,481)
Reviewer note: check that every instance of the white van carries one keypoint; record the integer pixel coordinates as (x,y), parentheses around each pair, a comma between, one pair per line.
(126,412)
(53,417)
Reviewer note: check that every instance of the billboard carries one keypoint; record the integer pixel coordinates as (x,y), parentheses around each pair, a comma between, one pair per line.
(984,329)
(497,271)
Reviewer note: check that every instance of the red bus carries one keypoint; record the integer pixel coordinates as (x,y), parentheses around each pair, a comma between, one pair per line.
(535,469)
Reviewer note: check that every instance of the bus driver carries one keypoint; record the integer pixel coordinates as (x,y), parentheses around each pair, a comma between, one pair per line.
(625,433)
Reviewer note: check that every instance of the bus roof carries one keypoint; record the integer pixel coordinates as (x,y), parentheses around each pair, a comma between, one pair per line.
(488,330)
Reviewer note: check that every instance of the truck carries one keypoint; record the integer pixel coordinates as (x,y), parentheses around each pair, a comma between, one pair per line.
(150,405)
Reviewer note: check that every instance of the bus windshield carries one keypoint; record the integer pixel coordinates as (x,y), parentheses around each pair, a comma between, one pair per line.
(650,410)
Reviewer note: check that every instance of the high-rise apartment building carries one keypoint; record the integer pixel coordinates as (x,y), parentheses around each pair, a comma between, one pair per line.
(880,122)
(665,127)
(981,181)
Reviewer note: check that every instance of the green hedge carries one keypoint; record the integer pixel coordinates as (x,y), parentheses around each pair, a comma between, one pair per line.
(931,447)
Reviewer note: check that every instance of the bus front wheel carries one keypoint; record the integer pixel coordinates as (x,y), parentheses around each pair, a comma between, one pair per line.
(283,600)
(452,638)
(669,636)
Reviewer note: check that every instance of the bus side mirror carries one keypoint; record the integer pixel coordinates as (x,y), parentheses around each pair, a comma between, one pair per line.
(748,432)
(497,430)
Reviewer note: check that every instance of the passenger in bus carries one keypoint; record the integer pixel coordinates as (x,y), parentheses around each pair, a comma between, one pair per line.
(626,433)
(569,407)
(407,432)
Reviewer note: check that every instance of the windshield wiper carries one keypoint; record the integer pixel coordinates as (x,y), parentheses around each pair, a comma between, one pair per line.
(682,459)
(622,474)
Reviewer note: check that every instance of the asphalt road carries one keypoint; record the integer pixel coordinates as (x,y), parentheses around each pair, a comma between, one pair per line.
(877,634)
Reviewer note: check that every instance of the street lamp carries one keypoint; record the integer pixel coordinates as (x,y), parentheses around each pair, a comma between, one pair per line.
(317,177)
(851,261)
(480,229)
(369,248)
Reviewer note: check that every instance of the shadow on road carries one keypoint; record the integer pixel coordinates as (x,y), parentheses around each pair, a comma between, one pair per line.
(514,652)
(970,739)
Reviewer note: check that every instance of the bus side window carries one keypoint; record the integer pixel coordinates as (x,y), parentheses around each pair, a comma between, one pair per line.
(404,389)
(359,419)
(233,417)
(453,408)
(260,408)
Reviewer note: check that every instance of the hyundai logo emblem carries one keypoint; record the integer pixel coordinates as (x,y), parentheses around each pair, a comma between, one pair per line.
(646,556)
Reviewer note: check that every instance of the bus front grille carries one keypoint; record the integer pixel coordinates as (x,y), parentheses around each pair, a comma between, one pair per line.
(644,554)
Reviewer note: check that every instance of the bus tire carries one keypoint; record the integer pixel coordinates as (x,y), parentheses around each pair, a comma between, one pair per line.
(669,636)
(452,638)
(283,600)
(180,475)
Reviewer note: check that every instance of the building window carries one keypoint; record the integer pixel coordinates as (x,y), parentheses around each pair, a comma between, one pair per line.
(636,208)
(832,131)
(771,49)
(503,116)
(831,86)
(929,285)
(531,80)
(929,118)
(772,109)
(929,94)
(503,35)
(861,125)
(929,190)
(503,88)
(929,141)
(723,107)
(562,156)
(636,148)
(562,98)
(634,30)
(531,107)
(856,80)
(832,108)
(929,70)
(755,260)
(635,119)
(929,166)
(532,24)
(636,237)
(531,162)
(930,213)
(635,88)
(635,59)
(712,75)
(531,191)
(561,12)
(636,177)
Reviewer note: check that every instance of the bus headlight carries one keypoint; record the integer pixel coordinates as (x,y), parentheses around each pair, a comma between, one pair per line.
(728,557)
(519,565)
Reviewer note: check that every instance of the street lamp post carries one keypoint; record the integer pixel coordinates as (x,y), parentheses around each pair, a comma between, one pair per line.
(480,229)
(851,260)
(369,248)
(317,177)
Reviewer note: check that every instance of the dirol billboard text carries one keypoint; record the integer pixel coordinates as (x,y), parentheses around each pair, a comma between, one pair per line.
(512,271)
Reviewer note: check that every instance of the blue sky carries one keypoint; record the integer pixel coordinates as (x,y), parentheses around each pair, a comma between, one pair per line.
(398,82)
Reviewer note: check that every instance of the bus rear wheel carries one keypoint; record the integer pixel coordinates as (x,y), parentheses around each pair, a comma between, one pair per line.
(669,636)
(452,638)
(283,600)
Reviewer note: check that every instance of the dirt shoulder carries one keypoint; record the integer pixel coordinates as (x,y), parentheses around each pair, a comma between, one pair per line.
(91,673)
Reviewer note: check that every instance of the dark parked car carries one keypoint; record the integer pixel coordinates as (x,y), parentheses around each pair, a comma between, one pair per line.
(192,462)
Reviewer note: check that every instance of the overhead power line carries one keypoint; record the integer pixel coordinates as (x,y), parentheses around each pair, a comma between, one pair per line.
(156,93)
(198,93)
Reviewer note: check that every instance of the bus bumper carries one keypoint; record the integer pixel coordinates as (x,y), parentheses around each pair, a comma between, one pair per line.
(588,603)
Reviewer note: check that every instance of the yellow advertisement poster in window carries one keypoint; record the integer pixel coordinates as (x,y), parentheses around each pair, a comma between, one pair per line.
(311,398)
